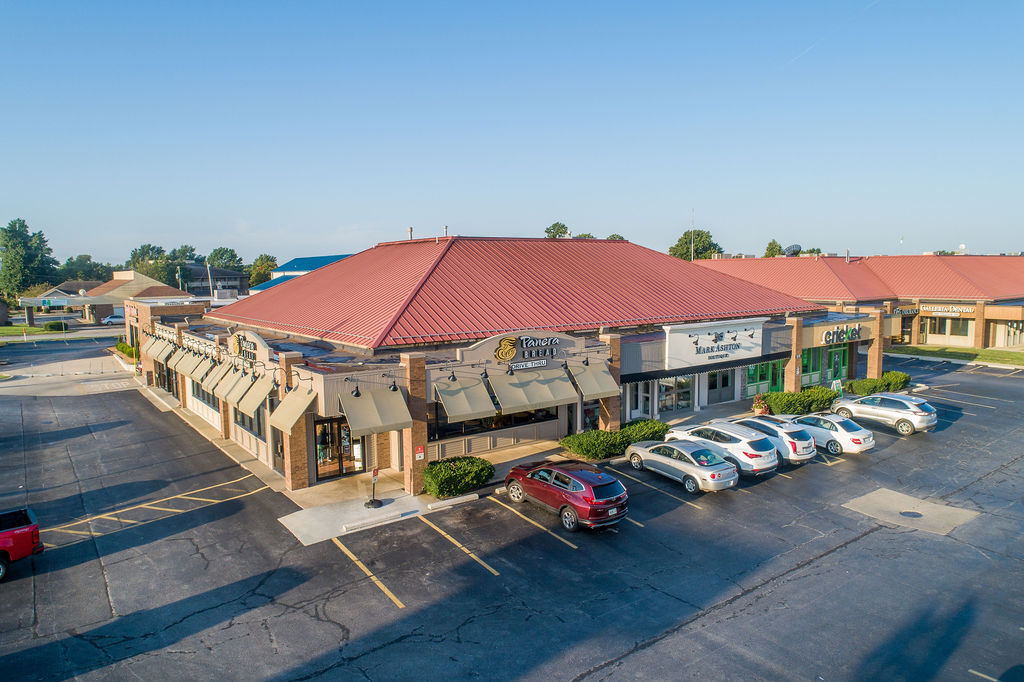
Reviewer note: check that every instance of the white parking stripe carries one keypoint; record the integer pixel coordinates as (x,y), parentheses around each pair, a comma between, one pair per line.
(972,395)
(961,402)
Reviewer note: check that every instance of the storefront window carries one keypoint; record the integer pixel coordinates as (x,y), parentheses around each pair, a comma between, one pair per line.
(937,325)
(675,394)
(591,414)
(810,360)
(205,397)
(253,425)
(336,452)
(958,327)
(439,428)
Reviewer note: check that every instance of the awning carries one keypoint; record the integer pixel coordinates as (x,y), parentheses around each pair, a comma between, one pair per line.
(211,379)
(200,370)
(228,382)
(188,364)
(149,345)
(239,390)
(532,390)
(177,356)
(163,351)
(594,380)
(291,408)
(465,399)
(257,395)
(376,410)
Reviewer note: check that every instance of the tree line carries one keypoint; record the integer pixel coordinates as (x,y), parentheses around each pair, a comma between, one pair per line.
(28,268)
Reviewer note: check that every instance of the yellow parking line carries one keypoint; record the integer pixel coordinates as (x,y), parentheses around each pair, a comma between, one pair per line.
(163,509)
(982,675)
(637,523)
(529,520)
(654,487)
(368,573)
(784,475)
(830,462)
(76,532)
(198,499)
(455,542)
(741,490)
(114,518)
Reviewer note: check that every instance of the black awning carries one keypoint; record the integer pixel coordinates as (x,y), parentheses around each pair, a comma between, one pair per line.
(700,369)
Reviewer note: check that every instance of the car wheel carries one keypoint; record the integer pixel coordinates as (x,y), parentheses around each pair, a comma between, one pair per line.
(690,485)
(834,448)
(904,427)
(570,521)
(844,413)
(515,492)
(636,462)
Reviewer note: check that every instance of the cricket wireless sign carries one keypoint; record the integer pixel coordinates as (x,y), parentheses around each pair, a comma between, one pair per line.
(841,334)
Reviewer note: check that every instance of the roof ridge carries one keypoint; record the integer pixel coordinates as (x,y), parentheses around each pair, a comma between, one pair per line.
(961,275)
(839,279)
(412,294)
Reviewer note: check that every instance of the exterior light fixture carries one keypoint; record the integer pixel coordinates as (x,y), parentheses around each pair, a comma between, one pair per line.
(586,361)
(393,386)
(734,337)
(751,334)
(452,377)
(509,371)
(565,365)
(355,391)
(483,374)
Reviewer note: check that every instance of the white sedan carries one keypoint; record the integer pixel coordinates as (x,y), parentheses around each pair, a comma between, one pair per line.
(836,434)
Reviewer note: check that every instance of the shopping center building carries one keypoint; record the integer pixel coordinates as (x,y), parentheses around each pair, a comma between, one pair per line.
(417,350)
(971,301)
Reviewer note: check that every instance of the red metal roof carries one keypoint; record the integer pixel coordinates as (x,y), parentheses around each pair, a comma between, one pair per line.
(463,288)
(831,278)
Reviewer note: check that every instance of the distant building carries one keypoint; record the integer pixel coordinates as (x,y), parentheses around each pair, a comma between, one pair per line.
(294,268)
(224,280)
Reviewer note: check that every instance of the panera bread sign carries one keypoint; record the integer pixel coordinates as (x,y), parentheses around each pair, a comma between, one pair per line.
(521,350)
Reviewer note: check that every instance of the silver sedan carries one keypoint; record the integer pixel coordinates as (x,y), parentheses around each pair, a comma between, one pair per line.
(693,464)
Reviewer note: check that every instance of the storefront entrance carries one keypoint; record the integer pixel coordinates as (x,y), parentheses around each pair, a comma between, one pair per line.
(906,331)
(720,388)
(640,400)
(766,377)
(336,453)
(836,362)
(166,378)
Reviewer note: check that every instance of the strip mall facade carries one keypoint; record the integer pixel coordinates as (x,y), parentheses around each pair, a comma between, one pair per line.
(418,350)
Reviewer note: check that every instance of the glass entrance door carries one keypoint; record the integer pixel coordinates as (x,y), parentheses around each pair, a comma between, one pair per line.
(640,400)
(336,453)
(720,386)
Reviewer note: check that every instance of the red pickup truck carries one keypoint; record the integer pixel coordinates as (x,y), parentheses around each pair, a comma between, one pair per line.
(19,537)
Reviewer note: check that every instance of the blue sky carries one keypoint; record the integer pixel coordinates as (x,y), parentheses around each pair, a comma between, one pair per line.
(321,128)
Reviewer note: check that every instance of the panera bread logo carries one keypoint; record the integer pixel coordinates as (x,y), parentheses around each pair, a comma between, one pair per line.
(526,348)
(506,349)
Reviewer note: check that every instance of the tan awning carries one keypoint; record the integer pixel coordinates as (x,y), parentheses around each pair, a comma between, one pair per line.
(465,399)
(211,379)
(148,346)
(177,356)
(200,370)
(228,382)
(239,390)
(595,381)
(291,408)
(256,396)
(376,410)
(532,390)
(163,351)
(188,364)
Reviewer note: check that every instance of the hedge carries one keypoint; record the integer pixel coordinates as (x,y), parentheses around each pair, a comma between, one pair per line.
(813,399)
(890,381)
(605,444)
(456,475)
(126,349)
(55,326)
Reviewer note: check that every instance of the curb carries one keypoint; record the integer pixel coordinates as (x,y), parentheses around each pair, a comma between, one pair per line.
(349,527)
(444,504)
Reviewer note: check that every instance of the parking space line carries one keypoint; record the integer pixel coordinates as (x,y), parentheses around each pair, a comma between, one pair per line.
(455,542)
(784,475)
(654,487)
(76,532)
(197,499)
(635,523)
(982,675)
(973,395)
(369,574)
(1016,371)
(529,520)
(163,509)
(962,402)
(828,462)
(115,518)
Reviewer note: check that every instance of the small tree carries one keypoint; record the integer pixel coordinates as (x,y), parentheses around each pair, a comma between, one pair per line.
(814,250)
(223,257)
(83,267)
(702,245)
(186,253)
(616,236)
(773,249)
(25,258)
(584,235)
(259,271)
(556,231)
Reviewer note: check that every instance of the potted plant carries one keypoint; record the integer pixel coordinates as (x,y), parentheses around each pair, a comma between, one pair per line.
(760,404)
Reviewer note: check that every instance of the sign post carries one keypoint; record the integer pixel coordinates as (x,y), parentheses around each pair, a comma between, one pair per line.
(373,502)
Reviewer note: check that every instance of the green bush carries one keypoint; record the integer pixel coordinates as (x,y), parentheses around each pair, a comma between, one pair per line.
(605,444)
(642,429)
(895,381)
(890,381)
(126,349)
(813,399)
(456,475)
(55,326)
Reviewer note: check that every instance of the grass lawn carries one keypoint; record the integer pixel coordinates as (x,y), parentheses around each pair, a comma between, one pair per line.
(19,329)
(1002,357)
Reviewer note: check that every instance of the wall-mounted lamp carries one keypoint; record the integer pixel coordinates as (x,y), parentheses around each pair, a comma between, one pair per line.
(586,361)
(355,392)
(509,371)
(393,386)
(452,377)
(483,374)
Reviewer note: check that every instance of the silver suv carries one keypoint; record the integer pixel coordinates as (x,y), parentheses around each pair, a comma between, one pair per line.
(905,412)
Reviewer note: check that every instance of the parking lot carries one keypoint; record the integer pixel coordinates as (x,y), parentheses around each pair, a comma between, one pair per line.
(164,556)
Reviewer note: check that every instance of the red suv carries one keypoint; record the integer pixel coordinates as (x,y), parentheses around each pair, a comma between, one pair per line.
(581,494)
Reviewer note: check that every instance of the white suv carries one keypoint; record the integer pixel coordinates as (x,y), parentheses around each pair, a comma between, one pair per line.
(749,451)
(793,443)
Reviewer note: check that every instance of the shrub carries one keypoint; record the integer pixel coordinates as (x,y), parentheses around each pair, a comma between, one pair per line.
(642,429)
(604,444)
(760,403)
(55,326)
(895,381)
(864,386)
(456,475)
(813,399)
(126,349)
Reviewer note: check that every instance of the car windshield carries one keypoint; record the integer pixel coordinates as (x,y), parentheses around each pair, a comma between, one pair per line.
(847,425)
(706,458)
(607,491)
(761,445)
(799,434)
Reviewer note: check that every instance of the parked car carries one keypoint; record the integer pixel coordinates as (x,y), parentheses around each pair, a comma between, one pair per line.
(113,319)
(19,537)
(793,444)
(581,494)
(834,433)
(749,451)
(691,463)
(907,413)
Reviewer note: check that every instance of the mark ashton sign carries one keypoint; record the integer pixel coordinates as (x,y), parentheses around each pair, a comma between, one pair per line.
(841,334)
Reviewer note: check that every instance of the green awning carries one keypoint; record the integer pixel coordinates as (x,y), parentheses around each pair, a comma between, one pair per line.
(376,410)
(294,405)
(256,396)
(211,379)
(465,399)
(594,380)
(532,390)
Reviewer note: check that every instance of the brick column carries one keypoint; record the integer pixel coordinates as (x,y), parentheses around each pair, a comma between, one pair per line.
(875,348)
(611,408)
(296,454)
(792,366)
(225,420)
(286,360)
(179,330)
(980,325)
(30,316)
(915,331)
(415,436)
(382,450)
(851,353)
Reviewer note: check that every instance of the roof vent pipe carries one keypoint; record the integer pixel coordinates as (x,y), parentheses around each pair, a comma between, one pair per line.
(410,232)
(445,230)
(847,255)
